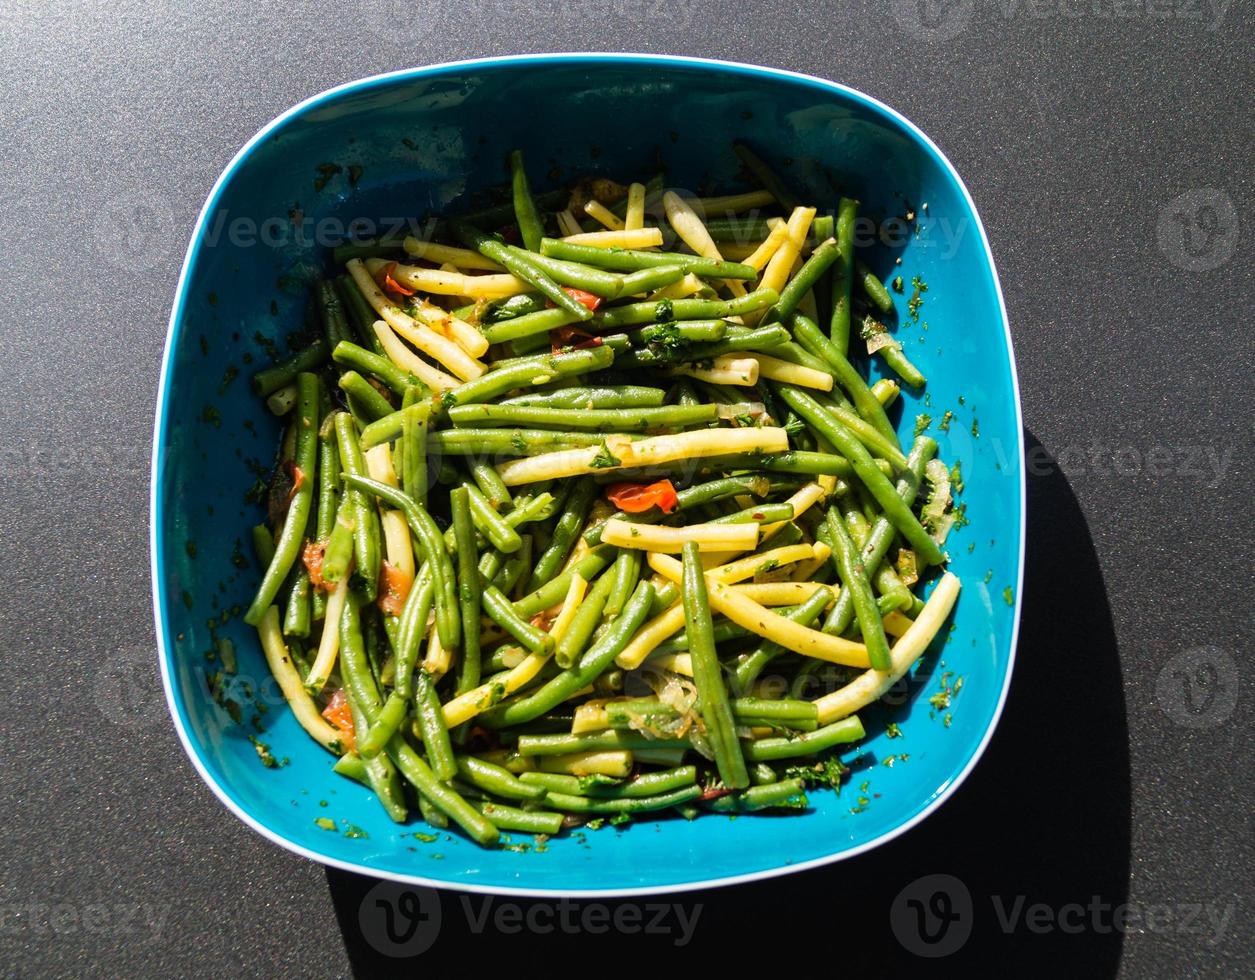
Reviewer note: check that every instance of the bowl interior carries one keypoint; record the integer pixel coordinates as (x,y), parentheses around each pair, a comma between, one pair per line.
(431,138)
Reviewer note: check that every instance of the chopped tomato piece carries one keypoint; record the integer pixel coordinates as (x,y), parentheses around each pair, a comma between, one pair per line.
(571,338)
(313,555)
(590,300)
(636,498)
(393,588)
(390,285)
(339,714)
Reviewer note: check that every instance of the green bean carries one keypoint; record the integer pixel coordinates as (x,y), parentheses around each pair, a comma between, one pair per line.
(513,568)
(431,543)
(611,740)
(338,555)
(784,709)
(633,260)
(529,373)
(598,657)
(762,338)
(866,403)
(352,766)
(647,280)
(288,546)
(565,532)
(367,548)
(693,331)
(646,784)
(489,523)
(365,705)
(385,725)
(803,281)
(331,312)
(468,587)
(628,804)
(883,531)
(499,781)
(627,572)
(361,313)
(762,514)
(613,396)
(712,697)
(516,262)
(555,589)
(763,173)
(297,613)
(588,278)
(531,228)
(434,732)
(873,287)
(526,821)
(528,325)
(371,403)
(414,450)
(505,309)
(854,579)
(666,310)
(500,610)
(353,356)
(328,500)
(412,626)
(842,276)
(599,420)
(263,545)
(500,214)
(271,379)
(665,596)
(585,621)
(490,485)
(903,367)
(769,749)
(785,793)
(511,442)
(431,815)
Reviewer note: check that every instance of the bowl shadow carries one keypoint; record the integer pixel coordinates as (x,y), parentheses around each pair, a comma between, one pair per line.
(1044,818)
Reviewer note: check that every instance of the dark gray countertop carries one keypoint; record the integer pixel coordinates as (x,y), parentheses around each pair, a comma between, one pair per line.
(1108,146)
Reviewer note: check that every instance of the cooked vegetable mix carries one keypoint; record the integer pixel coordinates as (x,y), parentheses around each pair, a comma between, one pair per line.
(580,512)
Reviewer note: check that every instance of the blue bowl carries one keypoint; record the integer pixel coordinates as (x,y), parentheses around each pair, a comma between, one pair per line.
(426,139)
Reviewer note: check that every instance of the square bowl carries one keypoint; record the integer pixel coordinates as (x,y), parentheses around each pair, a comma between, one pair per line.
(390,148)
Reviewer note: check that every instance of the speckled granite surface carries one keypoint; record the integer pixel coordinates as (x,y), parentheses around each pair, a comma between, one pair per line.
(1108,146)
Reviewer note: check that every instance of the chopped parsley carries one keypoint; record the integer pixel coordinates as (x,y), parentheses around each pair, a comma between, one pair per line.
(605,459)
(263,752)
(922,422)
(1008,596)
(326,823)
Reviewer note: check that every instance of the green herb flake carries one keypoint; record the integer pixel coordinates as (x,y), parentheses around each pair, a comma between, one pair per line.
(896,285)
(326,823)
(605,459)
(1008,596)
(892,730)
(263,752)
(922,422)
(354,832)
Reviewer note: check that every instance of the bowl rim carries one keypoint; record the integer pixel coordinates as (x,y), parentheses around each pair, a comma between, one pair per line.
(165,648)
